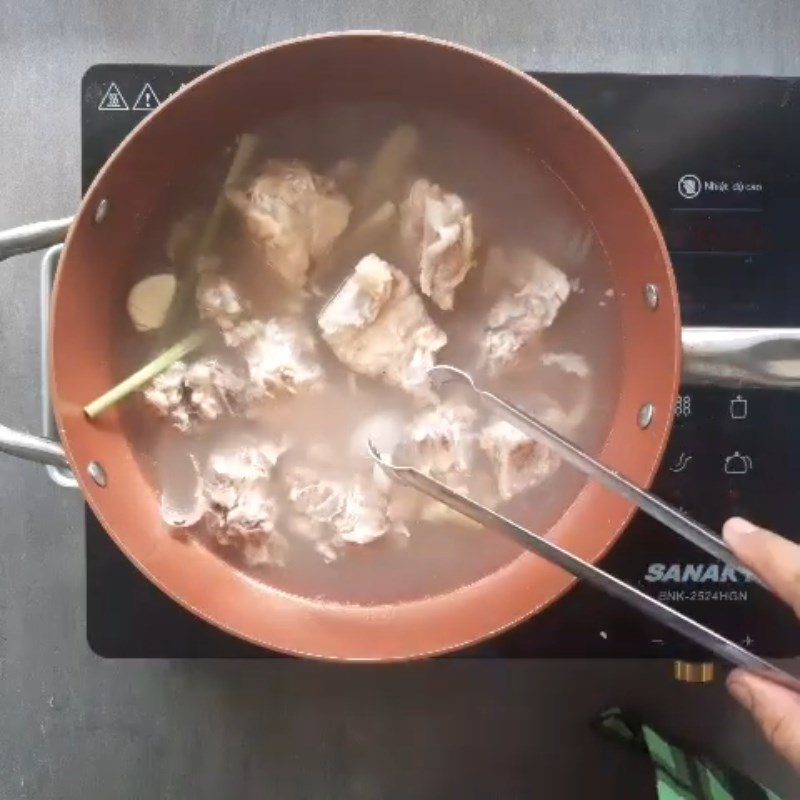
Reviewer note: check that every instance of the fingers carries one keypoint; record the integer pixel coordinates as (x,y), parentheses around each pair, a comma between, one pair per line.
(775,709)
(774,559)
(777,562)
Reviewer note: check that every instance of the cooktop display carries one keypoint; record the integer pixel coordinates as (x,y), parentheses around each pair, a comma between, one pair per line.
(718,160)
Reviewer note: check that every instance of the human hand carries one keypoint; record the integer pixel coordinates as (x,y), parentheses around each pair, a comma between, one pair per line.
(777,562)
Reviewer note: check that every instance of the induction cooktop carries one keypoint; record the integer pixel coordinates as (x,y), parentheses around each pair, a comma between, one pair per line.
(718,160)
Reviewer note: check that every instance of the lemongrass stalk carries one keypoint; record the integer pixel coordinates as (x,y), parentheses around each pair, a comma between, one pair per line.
(246,147)
(145,374)
(390,164)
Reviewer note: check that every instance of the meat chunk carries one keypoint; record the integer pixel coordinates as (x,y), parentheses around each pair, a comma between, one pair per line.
(530,306)
(192,395)
(294,214)
(242,510)
(441,441)
(437,233)
(518,462)
(281,357)
(336,513)
(219,301)
(378,326)
(236,462)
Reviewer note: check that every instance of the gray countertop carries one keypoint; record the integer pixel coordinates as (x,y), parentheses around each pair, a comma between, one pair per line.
(75,726)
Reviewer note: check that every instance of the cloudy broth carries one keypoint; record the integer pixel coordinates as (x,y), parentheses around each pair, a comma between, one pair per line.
(517,204)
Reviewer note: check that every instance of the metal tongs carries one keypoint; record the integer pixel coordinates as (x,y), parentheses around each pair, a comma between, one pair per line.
(678,522)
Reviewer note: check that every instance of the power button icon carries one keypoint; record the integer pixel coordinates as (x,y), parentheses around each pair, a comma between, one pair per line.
(689,186)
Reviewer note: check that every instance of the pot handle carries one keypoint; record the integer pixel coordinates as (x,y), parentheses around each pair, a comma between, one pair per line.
(16,241)
(759,358)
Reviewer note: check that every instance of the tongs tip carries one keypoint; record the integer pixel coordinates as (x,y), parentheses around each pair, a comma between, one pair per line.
(396,472)
(383,460)
(442,374)
(376,454)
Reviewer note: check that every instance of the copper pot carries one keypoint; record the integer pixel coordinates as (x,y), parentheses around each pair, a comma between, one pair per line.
(163,151)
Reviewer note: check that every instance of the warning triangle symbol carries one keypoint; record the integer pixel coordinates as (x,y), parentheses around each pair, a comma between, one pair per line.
(147,99)
(113,99)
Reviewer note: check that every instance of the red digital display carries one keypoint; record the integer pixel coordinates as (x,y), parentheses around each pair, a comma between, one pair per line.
(718,232)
